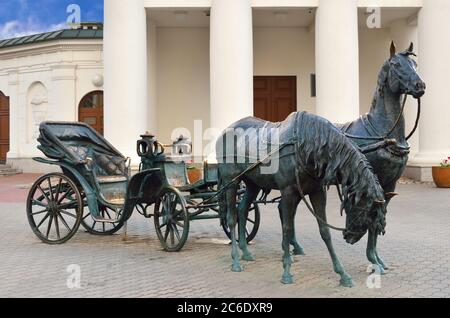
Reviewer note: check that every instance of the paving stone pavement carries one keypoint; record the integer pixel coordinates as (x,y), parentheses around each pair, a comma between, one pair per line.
(415,246)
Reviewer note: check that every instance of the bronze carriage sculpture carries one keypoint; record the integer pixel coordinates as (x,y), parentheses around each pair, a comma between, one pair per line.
(96,189)
(96,183)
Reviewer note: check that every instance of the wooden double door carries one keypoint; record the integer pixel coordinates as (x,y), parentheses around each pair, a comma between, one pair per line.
(275,97)
(4,127)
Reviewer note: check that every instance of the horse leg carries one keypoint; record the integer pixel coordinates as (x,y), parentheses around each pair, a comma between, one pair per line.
(230,195)
(250,195)
(288,205)
(379,259)
(371,253)
(298,249)
(319,201)
(373,237)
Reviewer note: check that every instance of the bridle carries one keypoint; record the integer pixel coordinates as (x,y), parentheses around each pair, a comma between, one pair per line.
(397,122)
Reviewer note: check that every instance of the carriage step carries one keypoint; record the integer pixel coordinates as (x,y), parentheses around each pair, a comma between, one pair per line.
(103,220)
(7,170)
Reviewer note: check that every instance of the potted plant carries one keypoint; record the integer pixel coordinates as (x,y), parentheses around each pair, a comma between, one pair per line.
(194,173)
(441,174)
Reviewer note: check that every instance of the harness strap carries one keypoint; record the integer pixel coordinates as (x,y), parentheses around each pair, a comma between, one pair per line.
(416,125)
(367,124)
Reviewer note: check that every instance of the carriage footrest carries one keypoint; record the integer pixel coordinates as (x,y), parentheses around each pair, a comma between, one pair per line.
(103,220)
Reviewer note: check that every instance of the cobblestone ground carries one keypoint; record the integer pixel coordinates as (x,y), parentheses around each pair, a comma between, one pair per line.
(416,248)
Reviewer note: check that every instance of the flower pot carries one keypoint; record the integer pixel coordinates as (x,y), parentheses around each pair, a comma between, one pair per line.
(441,177)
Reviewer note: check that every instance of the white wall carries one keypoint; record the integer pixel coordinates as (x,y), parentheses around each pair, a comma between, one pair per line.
(287,51)
(183,90)
(63,72)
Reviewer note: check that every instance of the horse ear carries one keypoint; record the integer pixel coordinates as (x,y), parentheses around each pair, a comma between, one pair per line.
(393,49)
(390,195)
(411,48)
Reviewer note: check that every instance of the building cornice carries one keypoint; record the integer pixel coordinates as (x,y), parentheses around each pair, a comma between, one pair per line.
(51,47)
(165,4)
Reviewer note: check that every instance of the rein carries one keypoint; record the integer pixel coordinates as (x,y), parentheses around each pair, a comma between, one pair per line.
(416,125)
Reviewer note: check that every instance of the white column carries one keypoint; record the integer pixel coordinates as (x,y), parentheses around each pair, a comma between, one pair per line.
(337,60)
(152,125)
(434,67)
(231,61)
(125,59)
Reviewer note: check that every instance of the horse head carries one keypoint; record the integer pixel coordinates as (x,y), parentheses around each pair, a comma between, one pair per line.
(369,213)
(402,76)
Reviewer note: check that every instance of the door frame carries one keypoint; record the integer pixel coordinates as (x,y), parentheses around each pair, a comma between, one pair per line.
(6,111)
(94,111)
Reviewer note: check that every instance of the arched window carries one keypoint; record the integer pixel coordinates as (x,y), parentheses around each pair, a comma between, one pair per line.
(90,110)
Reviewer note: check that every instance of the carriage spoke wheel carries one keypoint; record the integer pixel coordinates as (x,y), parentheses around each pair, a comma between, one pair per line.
(102,228)
(252,225)
(54,208)
(171,220)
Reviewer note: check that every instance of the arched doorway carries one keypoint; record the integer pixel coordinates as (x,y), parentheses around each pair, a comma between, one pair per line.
(4,127)
(90,110)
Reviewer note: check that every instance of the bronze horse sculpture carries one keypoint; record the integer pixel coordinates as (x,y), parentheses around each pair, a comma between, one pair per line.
(312,154)
(380,134)
(398,76)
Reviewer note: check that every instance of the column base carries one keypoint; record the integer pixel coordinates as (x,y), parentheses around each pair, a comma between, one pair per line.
(419,166)
(418,173)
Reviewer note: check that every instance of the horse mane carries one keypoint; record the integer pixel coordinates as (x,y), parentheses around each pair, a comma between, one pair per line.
(330,156)
(381,82)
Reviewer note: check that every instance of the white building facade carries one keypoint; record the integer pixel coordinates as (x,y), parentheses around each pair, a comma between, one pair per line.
(46,77)
(197,64)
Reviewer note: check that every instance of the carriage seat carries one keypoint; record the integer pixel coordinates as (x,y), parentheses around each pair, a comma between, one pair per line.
(108,168)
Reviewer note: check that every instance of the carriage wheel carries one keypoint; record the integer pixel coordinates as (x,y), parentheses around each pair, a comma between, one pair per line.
(102,228)
(252,226)
(54,208)
(171,220)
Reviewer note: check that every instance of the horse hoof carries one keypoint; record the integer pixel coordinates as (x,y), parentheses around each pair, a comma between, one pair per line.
(347,282)
(248,257)
(378,269)
(383,265)
(299,252)
(287,279)
(236,268)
